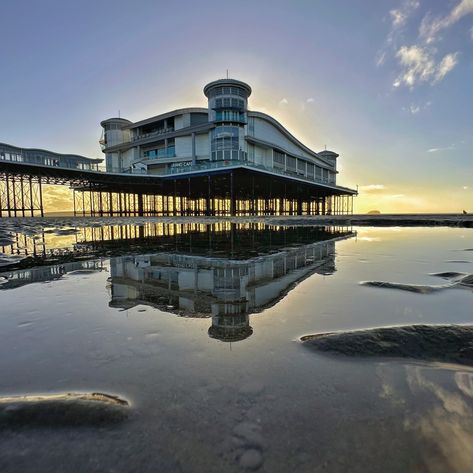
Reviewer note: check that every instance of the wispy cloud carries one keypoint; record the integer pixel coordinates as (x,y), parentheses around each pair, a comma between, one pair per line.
(465,188)
(431,26)
(446,65)
(415,108)
(372,188)
(445,148)
(419,65)
(283,101)
(420,62)
(400,15)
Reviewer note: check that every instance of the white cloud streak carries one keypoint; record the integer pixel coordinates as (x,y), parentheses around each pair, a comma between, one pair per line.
(400,15)
(419,65)
(431,27)
(420,62)
(446,65)
(445,148)
(373,188)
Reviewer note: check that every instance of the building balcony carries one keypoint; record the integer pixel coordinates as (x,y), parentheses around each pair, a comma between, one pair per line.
(169,152)
(226,163)
(161,131)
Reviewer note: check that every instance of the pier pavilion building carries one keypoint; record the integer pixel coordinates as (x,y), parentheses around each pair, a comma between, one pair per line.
(227,135)
(221,160)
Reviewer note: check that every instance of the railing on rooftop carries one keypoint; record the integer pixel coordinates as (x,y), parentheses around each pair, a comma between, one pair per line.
(60,162)
(221,164)
(161,131)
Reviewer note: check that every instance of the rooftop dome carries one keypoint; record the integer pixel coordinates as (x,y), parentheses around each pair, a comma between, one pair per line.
(227,83)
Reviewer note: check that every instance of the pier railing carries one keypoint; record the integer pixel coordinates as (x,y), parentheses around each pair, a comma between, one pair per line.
(200,167)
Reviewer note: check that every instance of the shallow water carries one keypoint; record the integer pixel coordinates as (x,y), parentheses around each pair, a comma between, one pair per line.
(198,328)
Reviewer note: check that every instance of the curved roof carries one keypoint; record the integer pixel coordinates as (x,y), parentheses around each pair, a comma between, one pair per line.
(287,134)
(227,82)
(124,121)
(173,113)
(53,153)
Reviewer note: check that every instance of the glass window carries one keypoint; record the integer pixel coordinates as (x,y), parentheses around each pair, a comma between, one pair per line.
(291,163)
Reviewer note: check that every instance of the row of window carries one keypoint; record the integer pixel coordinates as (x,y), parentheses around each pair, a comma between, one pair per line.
(168,152)
(228,102)
(227,91)
(230,116)
(301,167)
(229,155)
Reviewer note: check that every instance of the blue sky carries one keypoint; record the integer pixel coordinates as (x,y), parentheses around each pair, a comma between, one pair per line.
(387,84)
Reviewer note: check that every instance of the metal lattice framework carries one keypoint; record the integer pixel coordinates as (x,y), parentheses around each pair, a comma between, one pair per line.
(220,192)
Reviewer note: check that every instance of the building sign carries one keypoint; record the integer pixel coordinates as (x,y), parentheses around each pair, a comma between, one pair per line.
(181,164)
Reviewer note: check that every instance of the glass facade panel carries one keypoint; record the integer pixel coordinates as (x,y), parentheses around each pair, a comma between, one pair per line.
(291,163)
(225,139)
(279,160)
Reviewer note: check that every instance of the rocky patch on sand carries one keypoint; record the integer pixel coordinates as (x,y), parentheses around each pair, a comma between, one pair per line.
(62,410)
(461,280)
(442,343)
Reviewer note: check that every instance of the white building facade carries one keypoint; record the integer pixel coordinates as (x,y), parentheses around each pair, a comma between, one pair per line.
(225,133)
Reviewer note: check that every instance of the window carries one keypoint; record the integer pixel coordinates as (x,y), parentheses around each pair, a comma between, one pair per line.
(279,160)
(291,163)
(224,140)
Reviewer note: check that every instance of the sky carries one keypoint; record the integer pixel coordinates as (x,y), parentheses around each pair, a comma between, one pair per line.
(387,84)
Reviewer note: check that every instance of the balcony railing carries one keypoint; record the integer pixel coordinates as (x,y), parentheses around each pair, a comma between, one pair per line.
(168,152)
(173,170)
(161,131)
(222,164)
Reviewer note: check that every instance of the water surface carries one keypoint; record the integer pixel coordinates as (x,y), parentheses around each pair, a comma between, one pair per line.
(199,327)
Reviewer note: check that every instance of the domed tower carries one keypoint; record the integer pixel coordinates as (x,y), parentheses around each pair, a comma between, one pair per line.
(114,132)
(227,104)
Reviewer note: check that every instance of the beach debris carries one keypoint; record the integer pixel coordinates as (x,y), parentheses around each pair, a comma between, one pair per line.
(443,343)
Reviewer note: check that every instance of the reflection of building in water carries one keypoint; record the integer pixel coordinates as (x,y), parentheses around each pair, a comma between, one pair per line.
(225,289)
(23,277)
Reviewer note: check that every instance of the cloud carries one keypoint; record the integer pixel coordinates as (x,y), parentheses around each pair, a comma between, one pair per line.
(419,65)
(465,188)
(400,15)
(446,65)
(283,101)
(431,27)
(420,62)
(372,188)
(380,58)
(445,148)
(414,108)
(471,33)
(310,100)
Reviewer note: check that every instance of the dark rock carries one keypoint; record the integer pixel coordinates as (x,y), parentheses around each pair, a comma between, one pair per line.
(419,289)
(62,410)
(445,343)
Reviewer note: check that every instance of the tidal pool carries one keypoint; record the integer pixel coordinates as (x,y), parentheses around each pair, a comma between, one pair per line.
(197,328)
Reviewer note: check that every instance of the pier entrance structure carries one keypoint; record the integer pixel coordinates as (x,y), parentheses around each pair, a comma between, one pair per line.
(220,160)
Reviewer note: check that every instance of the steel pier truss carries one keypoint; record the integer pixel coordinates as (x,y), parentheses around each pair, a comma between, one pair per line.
(225,192)
(20,196)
